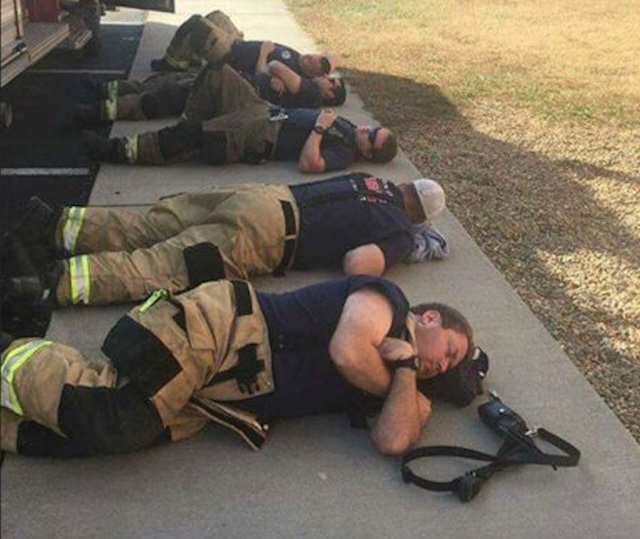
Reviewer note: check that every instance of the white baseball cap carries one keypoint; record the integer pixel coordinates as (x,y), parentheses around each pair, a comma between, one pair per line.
(431,196)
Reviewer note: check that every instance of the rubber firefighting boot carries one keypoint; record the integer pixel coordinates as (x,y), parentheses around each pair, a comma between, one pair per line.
(89,115)
(112,150)
(30,244)
(33,293)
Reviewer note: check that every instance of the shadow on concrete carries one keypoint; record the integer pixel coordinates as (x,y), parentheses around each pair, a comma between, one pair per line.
(522,207)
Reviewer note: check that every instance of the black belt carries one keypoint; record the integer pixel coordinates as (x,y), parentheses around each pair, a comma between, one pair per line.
(290,241)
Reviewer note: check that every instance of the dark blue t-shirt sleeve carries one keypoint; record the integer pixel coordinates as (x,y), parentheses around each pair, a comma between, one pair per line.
(336,157)
(395,248)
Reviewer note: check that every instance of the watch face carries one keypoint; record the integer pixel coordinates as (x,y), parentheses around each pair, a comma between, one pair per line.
(409,363)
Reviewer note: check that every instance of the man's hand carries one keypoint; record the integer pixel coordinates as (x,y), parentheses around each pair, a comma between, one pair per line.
(326,119)
(277,86)
(311,159)
(267,47)
(392,349)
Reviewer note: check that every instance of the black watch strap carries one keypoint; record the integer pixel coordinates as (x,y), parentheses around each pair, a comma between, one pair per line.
(412,363)
(318,129)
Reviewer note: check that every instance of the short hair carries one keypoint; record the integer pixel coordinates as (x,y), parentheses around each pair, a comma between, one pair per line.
(325,63)
(451,319)
(387,151)
(339,95)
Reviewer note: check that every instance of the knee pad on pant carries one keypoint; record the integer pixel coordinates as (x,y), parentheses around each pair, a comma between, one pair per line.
(204,263)
(214,148)
(109,420)
(167,101)
(34,440)
(183,138)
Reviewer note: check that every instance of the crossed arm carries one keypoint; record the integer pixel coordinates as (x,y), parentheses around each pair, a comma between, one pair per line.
(360,350)
(311,159)
(283,78)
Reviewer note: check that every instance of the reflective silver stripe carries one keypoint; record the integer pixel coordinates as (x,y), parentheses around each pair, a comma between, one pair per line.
(72,227)
(111,103)
(80,279)
(14,360)
(131,149)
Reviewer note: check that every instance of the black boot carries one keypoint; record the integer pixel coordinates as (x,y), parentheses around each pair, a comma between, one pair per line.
(30,244)
(33,293)
(88,115)
(104,149)
(5,340)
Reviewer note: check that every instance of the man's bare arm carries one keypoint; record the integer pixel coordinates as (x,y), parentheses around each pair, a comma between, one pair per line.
(266,48)
(358,347)
(311,159)
(365,321)
(366,259)
(406,411)
(292,81)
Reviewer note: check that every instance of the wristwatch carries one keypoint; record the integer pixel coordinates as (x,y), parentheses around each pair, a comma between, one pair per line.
(412,363)
(318,129)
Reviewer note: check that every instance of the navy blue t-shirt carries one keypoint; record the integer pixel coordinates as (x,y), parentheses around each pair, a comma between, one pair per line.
(301,325)
(338,152)
(343,213)
(244,56)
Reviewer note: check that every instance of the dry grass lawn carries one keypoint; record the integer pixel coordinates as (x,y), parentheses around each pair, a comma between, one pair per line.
(528,113)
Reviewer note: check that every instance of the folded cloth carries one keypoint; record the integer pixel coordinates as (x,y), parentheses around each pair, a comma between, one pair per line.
(428,244)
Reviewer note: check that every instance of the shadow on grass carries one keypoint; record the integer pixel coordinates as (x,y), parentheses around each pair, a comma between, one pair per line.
(522,207)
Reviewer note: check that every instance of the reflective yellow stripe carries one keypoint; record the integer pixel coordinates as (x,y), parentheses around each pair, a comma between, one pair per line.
(80,279)
(112,90)
(131,149)
(153,299)
(14,360)
(110,110)
(178,64)
(72,227)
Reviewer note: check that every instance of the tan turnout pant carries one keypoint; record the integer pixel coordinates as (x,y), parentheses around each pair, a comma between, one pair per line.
(125,256)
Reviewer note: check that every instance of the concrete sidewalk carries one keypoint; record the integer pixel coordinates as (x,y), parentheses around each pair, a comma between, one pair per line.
(317,477)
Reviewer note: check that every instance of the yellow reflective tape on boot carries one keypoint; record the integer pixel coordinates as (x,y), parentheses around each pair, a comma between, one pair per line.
(112,90)
(80,279)
(182,65)
(72,226)
(131,149)
(14,360)
(109,110)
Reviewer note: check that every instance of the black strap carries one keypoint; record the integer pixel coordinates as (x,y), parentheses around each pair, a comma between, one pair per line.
(467,486)
(290,241)
(243,297)
(245,372)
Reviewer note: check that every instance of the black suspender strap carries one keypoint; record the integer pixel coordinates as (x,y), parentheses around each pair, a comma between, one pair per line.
(290,240)
(243,297)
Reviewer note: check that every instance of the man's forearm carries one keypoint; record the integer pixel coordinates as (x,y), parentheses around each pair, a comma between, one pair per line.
(311,157)
(399,424)
(372,378)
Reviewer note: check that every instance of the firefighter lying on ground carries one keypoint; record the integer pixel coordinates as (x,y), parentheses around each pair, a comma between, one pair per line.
(225,121)
(356,222)
(214,40)
(224,353)
(166,94)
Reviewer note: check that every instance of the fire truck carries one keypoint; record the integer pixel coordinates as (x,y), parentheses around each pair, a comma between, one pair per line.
(33,28)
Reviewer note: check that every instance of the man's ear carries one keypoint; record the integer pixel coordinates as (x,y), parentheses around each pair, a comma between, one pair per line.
(431,318)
